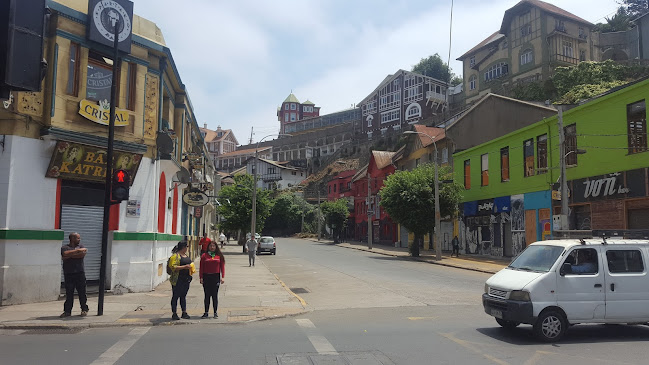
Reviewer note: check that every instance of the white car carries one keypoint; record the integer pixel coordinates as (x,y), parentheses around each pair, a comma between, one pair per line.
(558,283)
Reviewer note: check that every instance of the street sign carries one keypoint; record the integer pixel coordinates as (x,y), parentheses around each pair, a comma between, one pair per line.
(196,198)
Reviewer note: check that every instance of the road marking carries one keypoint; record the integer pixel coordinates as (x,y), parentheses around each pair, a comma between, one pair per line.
(469,346)
(538,355)
(421,318)
(8,332)
(113,354)
(290,291)
(319,342)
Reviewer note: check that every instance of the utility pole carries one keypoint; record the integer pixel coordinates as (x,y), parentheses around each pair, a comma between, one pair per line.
(438,228)
(563,178)
(253,224)
(369,211)
(319,215)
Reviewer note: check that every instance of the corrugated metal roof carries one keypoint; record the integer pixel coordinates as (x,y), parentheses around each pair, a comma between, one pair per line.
(496,36)
(437,133)
(382,158)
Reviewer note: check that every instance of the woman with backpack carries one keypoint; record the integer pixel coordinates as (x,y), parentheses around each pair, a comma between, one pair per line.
(182,269)
(211,273)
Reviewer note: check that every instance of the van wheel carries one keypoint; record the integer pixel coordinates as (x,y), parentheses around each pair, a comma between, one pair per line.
(507,324)
(550,326)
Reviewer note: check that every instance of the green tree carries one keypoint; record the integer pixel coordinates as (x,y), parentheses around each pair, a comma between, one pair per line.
(409,198)
(335,214)
(286,213)
(635,8)
(620,21)
(433,66)
(237,214)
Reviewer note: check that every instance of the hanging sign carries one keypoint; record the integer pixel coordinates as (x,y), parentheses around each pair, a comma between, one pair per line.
(100,113)
(104,15)
(195,198)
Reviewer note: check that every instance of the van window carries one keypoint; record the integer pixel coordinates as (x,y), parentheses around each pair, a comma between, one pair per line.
(583,261)
(621,261)
(537,258)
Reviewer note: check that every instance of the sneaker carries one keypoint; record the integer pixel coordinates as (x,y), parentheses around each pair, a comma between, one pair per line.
(185,316)
(175,317)
(84,313)
(65,314)
(204,315)
(216,315)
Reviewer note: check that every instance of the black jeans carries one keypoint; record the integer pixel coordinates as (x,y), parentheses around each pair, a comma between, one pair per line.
(75,281)
(179,291)
(211,284)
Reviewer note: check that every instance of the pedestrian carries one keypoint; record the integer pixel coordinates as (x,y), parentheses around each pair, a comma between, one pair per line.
(204,242)
(211,273)
(227,235)
(251,247)
(456,247)
(74,274)
(182,269)
(222,239)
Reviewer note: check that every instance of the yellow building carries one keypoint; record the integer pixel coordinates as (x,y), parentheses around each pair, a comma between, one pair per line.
(53,161)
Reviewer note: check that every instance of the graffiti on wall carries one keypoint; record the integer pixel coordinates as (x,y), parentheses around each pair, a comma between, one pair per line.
(471,239)
(518,223)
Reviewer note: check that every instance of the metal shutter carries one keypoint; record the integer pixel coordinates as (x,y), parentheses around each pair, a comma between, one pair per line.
(87,221)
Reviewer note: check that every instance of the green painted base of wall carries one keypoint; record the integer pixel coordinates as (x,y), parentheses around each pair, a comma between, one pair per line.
(27,234)
(145,236)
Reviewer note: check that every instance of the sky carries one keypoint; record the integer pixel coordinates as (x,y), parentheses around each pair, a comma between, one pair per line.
(240,59)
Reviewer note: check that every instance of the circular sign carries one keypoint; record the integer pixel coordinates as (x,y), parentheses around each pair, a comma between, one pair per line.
(196,198)
(106,14)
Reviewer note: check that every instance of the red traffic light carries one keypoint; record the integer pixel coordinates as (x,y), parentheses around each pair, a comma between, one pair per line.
(120,176)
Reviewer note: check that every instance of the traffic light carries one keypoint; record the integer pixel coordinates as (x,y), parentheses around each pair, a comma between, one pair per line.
(121,184)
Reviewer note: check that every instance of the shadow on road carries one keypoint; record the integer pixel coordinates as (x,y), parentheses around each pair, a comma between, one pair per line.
(577,334)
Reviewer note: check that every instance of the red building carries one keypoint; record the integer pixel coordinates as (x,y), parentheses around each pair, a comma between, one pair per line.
(384,230)
(293,111)
(340,186)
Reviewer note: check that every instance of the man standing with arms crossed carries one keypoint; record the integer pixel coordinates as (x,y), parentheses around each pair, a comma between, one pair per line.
(74,273)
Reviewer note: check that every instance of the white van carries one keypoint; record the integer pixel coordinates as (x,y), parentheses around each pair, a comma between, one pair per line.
(557,283)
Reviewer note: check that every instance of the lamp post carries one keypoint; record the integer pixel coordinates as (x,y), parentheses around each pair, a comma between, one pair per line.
(253,223)
(438,243)
(563,218)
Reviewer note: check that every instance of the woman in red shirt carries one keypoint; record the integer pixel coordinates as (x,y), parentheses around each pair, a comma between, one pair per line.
(212,272)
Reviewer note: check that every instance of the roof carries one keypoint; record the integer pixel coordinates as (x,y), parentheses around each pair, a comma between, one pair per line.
(360,173)
(513,11)
(490,95)
(382,158)
(496,36)
(308,102)
(345,174)
(249,151)
(291,99)
(274,163)
(437,134)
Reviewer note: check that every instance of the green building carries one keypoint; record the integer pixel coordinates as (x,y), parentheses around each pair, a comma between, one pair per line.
(511,181)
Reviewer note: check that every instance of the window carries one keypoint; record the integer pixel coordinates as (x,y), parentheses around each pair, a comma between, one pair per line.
(496,71)
(526,29)
(99,78)
(571,144)
(558,25)
(286,117)
(445,155)
(528,157)
(329,189)
(472,82)
(567,49)
(527,57)
(622,261)
(636,117)
(472,61)
(417,162)
(369,120)
(293,117)
(582,55)
(369,108)
(335,188)
(542,153)
(390,116)
(583,261)
(484,170)
(285,106)
(504,164)
(130,86)
(413,111)
(582,33)
(292,106)
(467,174)
(294,173)
(73,71)
(413,88)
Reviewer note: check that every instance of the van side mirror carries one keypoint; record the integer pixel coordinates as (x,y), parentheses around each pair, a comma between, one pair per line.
(566,268)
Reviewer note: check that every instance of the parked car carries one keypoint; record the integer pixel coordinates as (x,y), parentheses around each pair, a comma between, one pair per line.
(555,284)
(267,244)
(257,237)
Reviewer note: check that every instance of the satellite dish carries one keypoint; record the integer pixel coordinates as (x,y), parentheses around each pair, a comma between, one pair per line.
(183,176)
(165,143)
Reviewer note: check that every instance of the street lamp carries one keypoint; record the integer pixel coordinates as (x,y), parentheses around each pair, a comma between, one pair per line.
(438,243)
(253,223)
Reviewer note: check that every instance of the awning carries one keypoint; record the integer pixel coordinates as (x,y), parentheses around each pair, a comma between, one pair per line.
(89,139)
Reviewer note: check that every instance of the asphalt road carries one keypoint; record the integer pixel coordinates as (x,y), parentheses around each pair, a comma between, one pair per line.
(366,309)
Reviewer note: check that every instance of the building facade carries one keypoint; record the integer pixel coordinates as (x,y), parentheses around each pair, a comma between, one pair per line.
(53,157)
(274,176)
(292,111)
(219,142)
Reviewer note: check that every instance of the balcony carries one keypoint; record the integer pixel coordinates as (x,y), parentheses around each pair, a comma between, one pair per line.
(435,96)
(270,177)
(564,59)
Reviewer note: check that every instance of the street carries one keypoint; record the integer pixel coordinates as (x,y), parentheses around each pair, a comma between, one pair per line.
(365,308)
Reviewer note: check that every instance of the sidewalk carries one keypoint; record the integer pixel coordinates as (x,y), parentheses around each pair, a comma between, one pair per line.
(248,294)
(468,262)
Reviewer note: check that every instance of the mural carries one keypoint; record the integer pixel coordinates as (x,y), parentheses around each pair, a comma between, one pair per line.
(518,224)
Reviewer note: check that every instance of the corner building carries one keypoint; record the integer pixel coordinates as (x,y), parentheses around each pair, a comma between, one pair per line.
(52,158)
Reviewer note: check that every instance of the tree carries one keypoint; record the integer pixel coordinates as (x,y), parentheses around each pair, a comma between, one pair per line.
(335,214)
(286,213)
(409,198)
(237,214)
(635,8)
(620,21)
(433,66)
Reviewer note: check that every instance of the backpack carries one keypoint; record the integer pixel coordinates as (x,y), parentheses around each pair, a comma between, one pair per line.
(169,271)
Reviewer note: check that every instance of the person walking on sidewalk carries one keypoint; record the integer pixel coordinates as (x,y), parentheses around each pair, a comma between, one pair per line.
(222,239)
(456,247)
(211,273)
(182,269)
(251,247)
(204,242)
(74,274)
